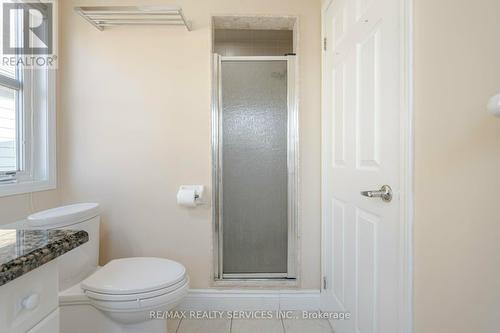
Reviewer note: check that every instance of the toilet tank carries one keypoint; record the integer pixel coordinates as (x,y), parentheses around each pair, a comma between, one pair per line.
(79,263)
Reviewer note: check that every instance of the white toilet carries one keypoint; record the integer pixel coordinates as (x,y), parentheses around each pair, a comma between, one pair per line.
(119,297)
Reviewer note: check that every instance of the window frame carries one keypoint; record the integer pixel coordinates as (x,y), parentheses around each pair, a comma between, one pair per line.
(35,130)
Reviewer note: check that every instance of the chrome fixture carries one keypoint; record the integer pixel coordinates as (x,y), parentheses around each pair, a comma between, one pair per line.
(385,193)
(111,16)
(494,105)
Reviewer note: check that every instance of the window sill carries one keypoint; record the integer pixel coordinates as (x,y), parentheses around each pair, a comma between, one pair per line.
(26,187)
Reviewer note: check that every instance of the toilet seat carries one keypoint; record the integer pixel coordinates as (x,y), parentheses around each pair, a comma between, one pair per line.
(131,283)
(127,289)
(134,276)
(136,296)
(135,302)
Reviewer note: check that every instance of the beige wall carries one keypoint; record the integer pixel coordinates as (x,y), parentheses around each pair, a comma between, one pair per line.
(457,226)
(135,124)
(17,207)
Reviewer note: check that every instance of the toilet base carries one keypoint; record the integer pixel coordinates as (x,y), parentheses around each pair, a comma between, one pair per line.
(84,318)
(78,315)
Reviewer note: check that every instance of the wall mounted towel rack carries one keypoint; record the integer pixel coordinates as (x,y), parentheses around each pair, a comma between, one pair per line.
(103,17)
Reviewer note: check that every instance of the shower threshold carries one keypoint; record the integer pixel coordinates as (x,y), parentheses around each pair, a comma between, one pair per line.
(256,276)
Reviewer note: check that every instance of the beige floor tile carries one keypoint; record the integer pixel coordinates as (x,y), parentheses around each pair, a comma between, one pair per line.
(204,326)
(172,325)
(257,326)
(307,325)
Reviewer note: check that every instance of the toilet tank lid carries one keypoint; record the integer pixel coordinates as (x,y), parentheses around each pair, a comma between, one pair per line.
(64,215)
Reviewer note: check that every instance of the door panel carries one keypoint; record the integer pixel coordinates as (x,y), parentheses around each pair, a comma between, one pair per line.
(338,247)
(366,265)
(361,151)
(339,122)
(367,102)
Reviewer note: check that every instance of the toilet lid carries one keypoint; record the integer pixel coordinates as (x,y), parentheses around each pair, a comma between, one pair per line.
(134,275)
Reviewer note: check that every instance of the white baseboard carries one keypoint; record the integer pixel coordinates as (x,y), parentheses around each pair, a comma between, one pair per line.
(248,300)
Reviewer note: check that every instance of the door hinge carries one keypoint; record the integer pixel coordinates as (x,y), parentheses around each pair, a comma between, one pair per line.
(324,44)
(324,283)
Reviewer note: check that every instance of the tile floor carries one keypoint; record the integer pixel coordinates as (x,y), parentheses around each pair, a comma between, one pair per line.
(249,326)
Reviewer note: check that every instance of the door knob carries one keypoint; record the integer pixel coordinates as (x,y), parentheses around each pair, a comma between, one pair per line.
(385,193)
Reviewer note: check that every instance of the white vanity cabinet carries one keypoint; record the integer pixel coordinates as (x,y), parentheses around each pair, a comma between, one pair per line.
(29,303)
(49,324)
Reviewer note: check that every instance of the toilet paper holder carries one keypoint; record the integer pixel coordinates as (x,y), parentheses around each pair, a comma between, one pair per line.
(198,192)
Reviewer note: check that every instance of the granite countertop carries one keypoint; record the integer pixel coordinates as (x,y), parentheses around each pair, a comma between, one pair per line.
(22,251)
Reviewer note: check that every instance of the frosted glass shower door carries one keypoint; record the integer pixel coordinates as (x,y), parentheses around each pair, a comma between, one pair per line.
(254,174)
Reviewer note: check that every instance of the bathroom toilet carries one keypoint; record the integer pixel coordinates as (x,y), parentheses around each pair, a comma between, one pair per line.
(122,296)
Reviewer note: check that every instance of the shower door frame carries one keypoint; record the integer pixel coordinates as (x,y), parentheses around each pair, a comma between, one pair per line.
(292,169)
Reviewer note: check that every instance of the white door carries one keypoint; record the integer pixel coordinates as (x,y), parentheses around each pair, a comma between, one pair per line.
(361,151)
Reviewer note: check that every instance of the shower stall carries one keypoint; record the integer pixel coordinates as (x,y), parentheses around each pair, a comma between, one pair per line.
(255,149)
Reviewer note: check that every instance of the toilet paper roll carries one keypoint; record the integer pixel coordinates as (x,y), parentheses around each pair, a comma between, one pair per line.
(186,197)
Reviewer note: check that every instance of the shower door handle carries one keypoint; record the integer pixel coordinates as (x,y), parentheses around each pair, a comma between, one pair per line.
(385,193)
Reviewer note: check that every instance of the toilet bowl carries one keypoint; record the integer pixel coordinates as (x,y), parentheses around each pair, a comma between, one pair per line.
(123,296)
(128,290)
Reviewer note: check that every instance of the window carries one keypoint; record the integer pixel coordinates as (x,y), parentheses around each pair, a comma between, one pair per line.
(9,154)
(10,116)
(27,154)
